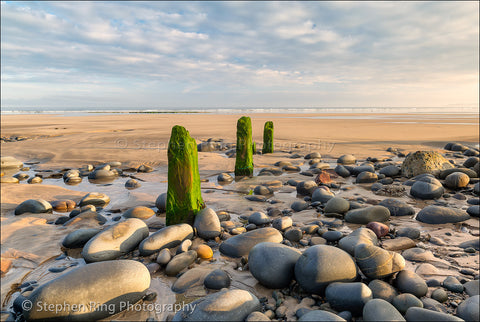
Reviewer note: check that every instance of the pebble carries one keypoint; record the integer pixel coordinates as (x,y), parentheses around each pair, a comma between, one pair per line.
(306,188)
(259,218)
(359,236)
(427,188)
(207,224)
(204,251)
(184,246)
(337,205)
(180,262)
(323,195)
(417,314)
(379,310)
(95,198)
(390,171)
(78,238)
(294,234)
(10,163)
(139,212)
(262,190)
(63,205)
(217,279)
(131,184)
(362,168)
(35,206)
(273,264)
(439,295)
(332,235)
(375,262)
(366,215)
(457,180)
(441,215)
(474,211)
(227,305)
(164,256)
(120,281)
(299,206)
(381,230)
(144,168)
(342,171)
(433,305)
(452,284)
(256,316)
(190,279)
(405,301)
(409,282)
(161,202)
(412,233)
(469,309)
(321,315)
(241,245)
(321,265)
(34,180)
(347,159)
(418,255)
(382,290)
(168,237)
(366,177)
(348,296)
(397,207)
(115,241)
(282,223)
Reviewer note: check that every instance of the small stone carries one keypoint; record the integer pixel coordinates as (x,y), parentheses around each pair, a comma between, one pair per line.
(139,212)
(382,290)
(337,205)
(282,223)
(381,310)
(366,177)
(217,280)
(95,199)
(405,301)
(131,184)
(164,257)
(412,233)
(259,218)
(348,296)
(418,255)
(207,224)
(453,285)
(440,295)
(397,207)
(299,206)
(410,282)
(347,159)
(63,205)
(180,262)
(35,206)
(294,234)
(184,246)
(381,230)
(204,252)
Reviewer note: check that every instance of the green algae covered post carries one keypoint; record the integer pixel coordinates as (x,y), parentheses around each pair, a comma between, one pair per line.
(184,197)
(268,138)
(244,161)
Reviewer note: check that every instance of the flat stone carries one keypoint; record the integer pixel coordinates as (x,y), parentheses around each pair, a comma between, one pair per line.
(399,243)
(227,305)
(409,232)
(35,206)
(397,207)
(190,279)
(168,237)
(139,212)
(417,314)
(115,241)
(418,255)
(120,281)
(241,245)
(441,215)
(180,262)
(78,238)
(366,215)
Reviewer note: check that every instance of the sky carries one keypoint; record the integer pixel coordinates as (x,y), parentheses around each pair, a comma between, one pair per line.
(239,54)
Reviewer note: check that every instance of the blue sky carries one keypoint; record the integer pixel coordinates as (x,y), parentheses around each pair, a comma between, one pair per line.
(239,54)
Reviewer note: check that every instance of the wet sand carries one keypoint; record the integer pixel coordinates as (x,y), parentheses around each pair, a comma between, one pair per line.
(56,143)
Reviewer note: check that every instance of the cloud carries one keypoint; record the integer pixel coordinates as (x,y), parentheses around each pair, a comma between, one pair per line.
(177,54)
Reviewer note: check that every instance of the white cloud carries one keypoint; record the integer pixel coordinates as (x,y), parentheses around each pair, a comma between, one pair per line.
(336,51)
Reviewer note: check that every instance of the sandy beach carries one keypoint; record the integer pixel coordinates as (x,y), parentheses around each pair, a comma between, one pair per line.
(49,144)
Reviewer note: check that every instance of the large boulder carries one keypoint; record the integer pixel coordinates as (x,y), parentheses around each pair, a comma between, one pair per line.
(106,284)
(115,241)
(227,305)
(424,162)
(273,264)
(321,265)
(240,245)
(168,237)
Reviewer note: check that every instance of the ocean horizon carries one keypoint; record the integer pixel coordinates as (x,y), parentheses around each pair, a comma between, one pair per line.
(237,110)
